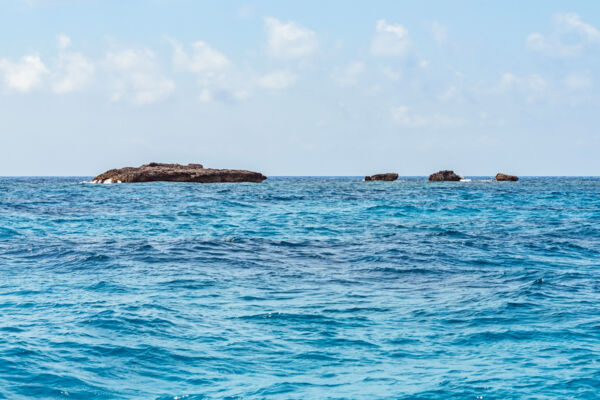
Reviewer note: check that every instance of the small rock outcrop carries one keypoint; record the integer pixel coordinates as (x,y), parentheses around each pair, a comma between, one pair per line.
(154,172)
(390,176)
(503,177)
(445,175)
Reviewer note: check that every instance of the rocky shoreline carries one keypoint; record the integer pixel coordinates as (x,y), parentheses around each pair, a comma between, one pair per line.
(160,172)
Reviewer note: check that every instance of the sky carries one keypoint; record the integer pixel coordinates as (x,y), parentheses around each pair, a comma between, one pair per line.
(300,88)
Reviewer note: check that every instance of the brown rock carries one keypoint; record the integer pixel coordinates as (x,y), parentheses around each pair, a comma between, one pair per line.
(153,172)
(444,176)
(390,176)
(503,177)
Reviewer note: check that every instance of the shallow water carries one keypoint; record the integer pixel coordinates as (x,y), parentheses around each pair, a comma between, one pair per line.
(300,288)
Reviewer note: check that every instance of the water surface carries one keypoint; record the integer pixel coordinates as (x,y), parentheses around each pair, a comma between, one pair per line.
(300,288)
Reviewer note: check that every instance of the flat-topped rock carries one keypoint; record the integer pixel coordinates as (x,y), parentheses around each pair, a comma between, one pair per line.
(390,176)
(504,177)
(444,175)
(155,172)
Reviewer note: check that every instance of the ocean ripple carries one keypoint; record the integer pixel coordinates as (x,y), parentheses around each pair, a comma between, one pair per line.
(300,288)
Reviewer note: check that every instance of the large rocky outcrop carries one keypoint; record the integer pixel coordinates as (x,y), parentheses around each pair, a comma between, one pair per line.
(390,176)
(177,173)
(444,176)
(503,177)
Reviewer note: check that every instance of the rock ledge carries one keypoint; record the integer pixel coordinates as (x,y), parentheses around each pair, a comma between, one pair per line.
(154,172)
(390,176)
(503,177)
(444,175)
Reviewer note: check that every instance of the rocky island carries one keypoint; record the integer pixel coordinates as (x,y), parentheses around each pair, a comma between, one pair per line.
(444,175)
(390,176)
(154,172)
(503,177)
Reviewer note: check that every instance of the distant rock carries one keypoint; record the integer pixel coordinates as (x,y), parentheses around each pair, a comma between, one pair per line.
(504,177)
(153,172)
(444,176)
(390,176)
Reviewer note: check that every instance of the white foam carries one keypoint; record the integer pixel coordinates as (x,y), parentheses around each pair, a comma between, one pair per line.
(465,180)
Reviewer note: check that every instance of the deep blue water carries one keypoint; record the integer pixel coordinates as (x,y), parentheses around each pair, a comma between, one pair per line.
(300,288)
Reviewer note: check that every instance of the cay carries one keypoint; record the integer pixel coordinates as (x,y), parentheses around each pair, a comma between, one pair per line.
(503,177)
(444,175)
(155,172)
(390,176)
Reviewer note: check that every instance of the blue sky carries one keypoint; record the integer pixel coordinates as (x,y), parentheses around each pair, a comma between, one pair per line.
(300,88)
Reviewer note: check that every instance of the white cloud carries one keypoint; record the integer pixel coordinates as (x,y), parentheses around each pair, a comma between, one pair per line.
(277,80)
(390,39)
(507,81)
(137,77)
(289,40)
(438,32)
(576,81)
(572,22)
(23,75)
(536,41)
(204,59)
(74,71)
(71,71)
(349,75)
(556,44)
(404,117)
(215,74)
(552,45)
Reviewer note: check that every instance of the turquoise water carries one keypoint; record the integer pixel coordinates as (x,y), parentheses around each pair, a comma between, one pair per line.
(300,288)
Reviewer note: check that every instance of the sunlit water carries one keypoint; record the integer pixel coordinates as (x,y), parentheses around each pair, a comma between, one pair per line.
(300,288)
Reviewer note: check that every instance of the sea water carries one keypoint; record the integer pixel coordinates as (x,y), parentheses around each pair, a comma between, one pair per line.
(300,288)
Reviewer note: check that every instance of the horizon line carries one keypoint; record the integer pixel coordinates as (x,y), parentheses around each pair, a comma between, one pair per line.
(321,176)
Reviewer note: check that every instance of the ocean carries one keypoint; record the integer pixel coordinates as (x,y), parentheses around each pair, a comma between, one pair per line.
(300,288)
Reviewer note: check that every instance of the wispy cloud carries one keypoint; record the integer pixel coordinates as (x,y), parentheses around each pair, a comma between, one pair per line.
(578,81)
(532,87)
(349,75)
(403,116)
(390,39)
(438,32)
(556,43)
(73,70)
(214,72)
(277,80)
(203,58)
(136,77)
(289,40)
